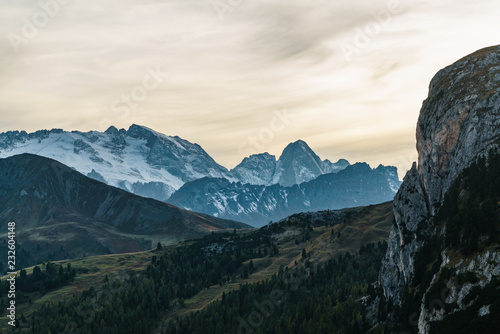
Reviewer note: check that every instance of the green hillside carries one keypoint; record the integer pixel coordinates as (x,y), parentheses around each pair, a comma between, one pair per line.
(146,290)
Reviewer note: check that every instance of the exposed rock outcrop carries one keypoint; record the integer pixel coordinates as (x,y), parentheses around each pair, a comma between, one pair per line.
(480,270)
(459,121)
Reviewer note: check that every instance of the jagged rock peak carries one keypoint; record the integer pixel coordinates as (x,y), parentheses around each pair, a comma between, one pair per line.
(298,146)
(256,169)
(112,130)
(343,162)
(140,132)
(255,158)
(298,163)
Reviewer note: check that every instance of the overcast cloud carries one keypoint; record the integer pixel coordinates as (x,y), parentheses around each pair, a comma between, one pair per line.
(243,76)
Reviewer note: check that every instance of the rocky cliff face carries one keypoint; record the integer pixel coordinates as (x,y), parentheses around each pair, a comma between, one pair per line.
(459,121)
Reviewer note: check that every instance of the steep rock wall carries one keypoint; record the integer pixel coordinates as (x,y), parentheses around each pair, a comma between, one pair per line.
(459,121)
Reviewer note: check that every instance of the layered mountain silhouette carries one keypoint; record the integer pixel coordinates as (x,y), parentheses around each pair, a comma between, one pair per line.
(356,185)
(52,203)
(147,163)
(170,169)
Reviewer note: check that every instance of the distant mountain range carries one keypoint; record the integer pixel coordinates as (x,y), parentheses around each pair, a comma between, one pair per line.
(170,169)
(151,164)
(355,185)
(297,164)
(139,160)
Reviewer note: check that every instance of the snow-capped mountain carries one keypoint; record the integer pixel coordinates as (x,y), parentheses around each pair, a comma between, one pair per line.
(256,205)
(297,164)
(256,169)
(139,160)
(147,163)
(150,164)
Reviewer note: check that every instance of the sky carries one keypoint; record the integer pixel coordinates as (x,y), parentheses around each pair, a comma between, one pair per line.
(238,77)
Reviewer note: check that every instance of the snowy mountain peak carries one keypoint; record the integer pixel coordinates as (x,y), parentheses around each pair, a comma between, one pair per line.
(298,147)
(142,132)
(256,169)
(139,160)
(298,163)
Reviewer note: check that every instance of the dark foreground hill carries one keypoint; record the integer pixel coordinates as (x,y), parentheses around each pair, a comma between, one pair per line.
(61,213)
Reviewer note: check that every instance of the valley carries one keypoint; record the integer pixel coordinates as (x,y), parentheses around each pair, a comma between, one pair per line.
(321,240)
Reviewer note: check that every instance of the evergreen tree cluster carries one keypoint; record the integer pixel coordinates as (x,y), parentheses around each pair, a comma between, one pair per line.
(54,276)
(134,305)
(325,300)
(470,206)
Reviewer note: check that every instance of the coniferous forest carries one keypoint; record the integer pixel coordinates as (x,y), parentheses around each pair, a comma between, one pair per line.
(303,299)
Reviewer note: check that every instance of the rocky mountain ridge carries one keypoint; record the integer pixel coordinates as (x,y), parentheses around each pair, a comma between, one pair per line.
(256,205)
(297,164)
(150,164)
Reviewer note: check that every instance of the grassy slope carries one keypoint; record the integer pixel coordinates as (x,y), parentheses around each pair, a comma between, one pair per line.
(366,224)
(91,271)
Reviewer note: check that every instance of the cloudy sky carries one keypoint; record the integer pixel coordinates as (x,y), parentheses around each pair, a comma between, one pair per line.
(237,76)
